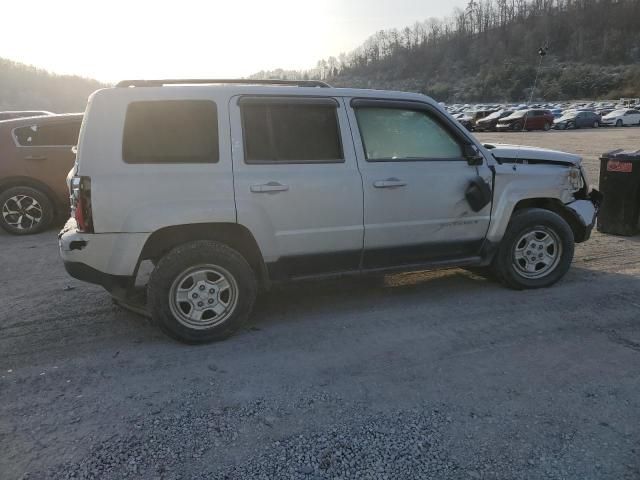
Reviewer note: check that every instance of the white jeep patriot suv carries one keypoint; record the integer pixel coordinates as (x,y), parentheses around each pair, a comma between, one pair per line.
(227,186)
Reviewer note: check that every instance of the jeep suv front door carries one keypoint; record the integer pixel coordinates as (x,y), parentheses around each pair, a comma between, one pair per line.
(297,185)
(415,176)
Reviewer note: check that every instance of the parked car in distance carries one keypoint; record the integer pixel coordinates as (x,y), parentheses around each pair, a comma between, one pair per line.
(10,114)
(465,120)
(35,158)
(489,122)
(479,115)
(622,117)
(532,119)
(228,189)
(577,119)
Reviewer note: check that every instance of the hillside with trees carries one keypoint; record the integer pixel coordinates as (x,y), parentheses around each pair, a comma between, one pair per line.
(489,52)
(23,87)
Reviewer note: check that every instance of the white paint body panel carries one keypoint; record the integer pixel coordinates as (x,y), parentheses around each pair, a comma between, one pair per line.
(321,212)
(429,209)
(144,198)
(111,253)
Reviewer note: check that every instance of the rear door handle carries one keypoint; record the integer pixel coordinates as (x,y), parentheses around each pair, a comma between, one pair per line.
(389,183)
(269,187)
(35,157)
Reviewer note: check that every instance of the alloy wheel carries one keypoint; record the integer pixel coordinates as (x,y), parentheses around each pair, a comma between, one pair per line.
(22,212)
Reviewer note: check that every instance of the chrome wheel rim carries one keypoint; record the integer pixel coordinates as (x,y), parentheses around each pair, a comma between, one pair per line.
(203,296)
(22,212)
(537,253)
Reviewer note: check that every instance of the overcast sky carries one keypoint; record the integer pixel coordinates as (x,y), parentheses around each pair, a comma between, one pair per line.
(116,39)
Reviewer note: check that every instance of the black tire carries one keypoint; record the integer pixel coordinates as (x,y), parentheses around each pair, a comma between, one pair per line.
(175,264)
(596,124)
(533,219)
(30,203)
(516,127)
(619,123)
(546,127)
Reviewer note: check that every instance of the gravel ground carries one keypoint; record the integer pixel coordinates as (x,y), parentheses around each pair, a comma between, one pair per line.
(429,375)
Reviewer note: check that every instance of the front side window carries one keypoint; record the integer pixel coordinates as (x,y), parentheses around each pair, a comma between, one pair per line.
(395,134)
(291,132)
(171,131)
(54,135)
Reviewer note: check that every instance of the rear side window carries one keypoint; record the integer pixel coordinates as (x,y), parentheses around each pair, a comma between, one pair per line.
(54,135)
(173,131)
(294,132)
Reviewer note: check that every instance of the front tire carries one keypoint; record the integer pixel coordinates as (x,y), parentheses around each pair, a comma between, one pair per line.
(619,123)
(201,291)
(25,210)
(536,250)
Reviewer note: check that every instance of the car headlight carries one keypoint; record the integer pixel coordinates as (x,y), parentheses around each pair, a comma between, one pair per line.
(574,179)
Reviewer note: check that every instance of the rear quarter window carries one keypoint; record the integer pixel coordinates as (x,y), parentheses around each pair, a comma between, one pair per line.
(171,131)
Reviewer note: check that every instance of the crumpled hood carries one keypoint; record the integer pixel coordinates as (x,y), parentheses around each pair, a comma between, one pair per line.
(511,153)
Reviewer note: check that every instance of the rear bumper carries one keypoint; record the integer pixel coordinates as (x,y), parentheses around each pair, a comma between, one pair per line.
(107,259)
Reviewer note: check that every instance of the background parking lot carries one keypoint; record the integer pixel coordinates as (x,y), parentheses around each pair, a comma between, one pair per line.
(439,374)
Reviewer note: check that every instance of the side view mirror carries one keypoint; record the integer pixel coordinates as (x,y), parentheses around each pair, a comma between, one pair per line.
(471,154)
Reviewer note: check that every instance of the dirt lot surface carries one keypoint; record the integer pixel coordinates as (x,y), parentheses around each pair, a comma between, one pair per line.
(438,375)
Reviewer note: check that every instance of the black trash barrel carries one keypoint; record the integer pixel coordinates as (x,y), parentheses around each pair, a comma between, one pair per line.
(620,185)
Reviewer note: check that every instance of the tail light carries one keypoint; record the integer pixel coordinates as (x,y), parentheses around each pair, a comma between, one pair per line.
(81,203)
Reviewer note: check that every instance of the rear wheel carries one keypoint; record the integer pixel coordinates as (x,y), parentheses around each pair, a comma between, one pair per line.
(546,126)
(201,291)
(25,210)
(536,251)
(596,124)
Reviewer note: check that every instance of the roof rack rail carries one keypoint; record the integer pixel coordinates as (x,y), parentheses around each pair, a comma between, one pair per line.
(242,81)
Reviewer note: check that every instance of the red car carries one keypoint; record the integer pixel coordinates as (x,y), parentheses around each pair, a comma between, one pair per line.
(532,119)
(35,157)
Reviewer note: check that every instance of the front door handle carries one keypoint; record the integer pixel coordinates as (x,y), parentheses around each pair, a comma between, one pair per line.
(35,157)
(389,183)
(269,187)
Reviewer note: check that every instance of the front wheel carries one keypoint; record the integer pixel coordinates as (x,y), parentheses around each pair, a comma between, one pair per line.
(201,291)
(619,123)
(536,251)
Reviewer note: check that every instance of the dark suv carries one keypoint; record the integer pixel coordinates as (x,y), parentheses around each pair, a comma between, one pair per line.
(532,119)
(35,157)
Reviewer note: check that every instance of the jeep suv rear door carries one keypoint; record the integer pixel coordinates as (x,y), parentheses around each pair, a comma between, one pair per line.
(415,178)
(297,185)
